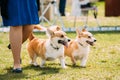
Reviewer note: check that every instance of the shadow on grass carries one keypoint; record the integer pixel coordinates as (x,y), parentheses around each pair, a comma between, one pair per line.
(43,71)
(11,76)
(27,72)
(75,66)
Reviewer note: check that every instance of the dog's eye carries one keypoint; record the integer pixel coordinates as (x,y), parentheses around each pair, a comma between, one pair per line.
(89,36)
(62,36)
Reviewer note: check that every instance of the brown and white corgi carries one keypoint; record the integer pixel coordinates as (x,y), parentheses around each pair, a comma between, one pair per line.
(79,48)
(48,49)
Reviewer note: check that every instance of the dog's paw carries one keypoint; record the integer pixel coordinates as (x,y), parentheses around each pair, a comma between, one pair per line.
(34,64)
(42,66)
(74,65)
(82,66)
(64,67)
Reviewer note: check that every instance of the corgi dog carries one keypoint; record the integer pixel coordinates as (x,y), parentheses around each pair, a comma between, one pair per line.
(54,28)
(39,27)
(79,48)
(48,49)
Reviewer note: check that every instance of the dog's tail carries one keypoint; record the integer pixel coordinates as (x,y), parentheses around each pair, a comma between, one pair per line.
(38,27)
(31,37)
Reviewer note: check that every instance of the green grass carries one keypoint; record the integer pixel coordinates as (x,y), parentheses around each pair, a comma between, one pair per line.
(103,21)
(103,62)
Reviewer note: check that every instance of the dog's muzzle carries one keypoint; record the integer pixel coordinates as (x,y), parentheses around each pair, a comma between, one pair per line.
(91,43)
(63,42)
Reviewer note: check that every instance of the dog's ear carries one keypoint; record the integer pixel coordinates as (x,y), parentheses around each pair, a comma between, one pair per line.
(50,32)
(84,30)
(58,28)
(78,31)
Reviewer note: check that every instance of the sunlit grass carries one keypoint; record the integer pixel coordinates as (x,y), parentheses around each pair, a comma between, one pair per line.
(103,62)
(80,21)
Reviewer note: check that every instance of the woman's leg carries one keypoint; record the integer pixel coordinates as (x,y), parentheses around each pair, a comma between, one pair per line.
(27,29)
(18,35)
(16,42)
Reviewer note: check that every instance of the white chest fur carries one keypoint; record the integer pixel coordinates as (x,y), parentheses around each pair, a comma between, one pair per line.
(81,52)
(52,53)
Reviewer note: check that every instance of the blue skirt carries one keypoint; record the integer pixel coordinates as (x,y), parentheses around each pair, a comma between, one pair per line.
(21,12)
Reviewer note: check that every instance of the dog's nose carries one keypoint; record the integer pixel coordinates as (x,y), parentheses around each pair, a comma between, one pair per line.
(95,40)
(69,40)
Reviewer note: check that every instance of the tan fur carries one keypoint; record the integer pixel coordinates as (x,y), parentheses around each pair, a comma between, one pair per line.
(36,47)
(77,49)
(55,28)
(72,46)
(42,47)
(38,27)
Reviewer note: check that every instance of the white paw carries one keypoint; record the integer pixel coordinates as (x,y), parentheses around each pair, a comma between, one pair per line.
(34,64)
(64,67)
(83,66)
(42,66)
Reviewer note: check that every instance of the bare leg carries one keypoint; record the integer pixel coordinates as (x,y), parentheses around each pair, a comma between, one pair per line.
(16,42)
(27,29)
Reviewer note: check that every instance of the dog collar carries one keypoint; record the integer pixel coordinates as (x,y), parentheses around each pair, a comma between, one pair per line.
(56,48)
(80,44)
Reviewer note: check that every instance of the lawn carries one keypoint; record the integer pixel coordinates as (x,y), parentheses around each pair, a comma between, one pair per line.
(103,21)
(103,62)
(68,20)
